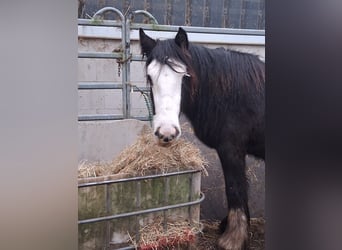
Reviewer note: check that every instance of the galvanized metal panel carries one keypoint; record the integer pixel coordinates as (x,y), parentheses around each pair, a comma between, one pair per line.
(240,14)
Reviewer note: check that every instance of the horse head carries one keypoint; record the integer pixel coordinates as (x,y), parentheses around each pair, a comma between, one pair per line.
(165,70)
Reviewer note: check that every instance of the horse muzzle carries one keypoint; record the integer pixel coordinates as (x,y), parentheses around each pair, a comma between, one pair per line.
(167,134)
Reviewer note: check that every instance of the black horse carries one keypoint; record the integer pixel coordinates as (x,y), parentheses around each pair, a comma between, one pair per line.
(222,92)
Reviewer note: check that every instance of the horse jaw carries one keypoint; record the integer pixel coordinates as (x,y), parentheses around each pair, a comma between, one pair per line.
(166,87)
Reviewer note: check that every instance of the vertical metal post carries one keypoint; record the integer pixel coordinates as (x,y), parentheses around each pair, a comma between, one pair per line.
(138,206)
(190,198)
(108,211)
(124,54)
(166,200)
(127,54)
(124,69)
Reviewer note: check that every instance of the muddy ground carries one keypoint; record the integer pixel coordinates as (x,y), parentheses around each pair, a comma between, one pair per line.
(208,239)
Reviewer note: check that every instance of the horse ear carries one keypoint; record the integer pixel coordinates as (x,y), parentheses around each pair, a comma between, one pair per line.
(181,38)
(146,43)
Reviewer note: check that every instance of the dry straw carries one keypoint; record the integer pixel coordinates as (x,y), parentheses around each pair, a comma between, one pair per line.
(179,234)
(145,156)
(201,236)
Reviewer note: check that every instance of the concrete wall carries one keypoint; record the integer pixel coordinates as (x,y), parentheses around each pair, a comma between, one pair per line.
(103,140)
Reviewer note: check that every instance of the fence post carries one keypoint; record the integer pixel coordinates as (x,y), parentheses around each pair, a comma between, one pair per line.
(127,63)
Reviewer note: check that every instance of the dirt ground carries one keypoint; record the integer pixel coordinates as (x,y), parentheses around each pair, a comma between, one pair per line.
(208,240)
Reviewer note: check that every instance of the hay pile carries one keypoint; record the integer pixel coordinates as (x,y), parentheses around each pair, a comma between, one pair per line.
(145,156)
(179,235)
(86,169)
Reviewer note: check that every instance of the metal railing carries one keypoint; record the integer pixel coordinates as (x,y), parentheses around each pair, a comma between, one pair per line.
(191,202)
(125,57)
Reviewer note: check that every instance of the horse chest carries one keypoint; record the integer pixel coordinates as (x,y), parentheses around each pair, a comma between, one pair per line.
(205,131)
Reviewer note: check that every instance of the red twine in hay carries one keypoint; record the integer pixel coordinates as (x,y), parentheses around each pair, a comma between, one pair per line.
(183,239)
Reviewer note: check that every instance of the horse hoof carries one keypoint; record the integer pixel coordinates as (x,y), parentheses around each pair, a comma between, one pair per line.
(236,234)
(232,242)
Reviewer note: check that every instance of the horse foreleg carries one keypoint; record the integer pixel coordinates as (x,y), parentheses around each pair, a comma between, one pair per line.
(235,225)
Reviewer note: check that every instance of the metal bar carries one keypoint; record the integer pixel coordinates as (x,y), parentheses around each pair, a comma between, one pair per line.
(108,211)
(108,9)
(141,118)
(137,58)
(127,67)
(196,29)
(106,55)
(92,22)
(138,89)
(99,85)
(107,117)
(89,184)
(138,205)
(147,14)
(126,248)
(166,201)
(99,117)
(190,197)
(208,38)
(146,211)
(124,67)
(193,29)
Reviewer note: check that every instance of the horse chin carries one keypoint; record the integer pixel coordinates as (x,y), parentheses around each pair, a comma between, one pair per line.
(164,144)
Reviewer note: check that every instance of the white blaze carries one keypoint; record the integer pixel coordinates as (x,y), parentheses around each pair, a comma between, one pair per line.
(166,87)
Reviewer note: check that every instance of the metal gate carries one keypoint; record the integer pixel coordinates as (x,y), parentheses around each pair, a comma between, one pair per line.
(90,227)
(124,57)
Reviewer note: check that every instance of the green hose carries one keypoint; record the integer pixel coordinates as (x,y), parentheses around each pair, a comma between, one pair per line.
(148,103)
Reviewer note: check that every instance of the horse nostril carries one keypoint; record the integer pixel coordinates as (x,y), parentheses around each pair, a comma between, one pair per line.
(167,135)
(157,133)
